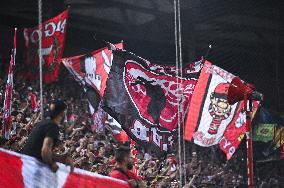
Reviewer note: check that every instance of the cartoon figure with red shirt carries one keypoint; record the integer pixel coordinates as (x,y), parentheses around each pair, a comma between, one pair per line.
(219,108)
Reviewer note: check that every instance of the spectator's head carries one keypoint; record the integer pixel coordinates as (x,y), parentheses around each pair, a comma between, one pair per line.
(91,147)
(101,150)
(123,157)
(83,142)
(57,110)
(19,117)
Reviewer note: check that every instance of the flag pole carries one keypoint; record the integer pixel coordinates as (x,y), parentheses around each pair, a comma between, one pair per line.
(249,143)
(40,54)
(178,46)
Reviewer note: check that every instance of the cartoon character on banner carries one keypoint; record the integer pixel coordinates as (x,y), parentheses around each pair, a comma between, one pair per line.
(219,108)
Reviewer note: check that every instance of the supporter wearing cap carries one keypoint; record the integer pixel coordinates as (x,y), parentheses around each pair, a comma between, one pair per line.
(45,136)
(123,168)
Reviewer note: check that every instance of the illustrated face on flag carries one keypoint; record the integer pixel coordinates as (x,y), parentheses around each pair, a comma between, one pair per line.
(219,107)
(211,119)
(144,98)
(210,111)
(53,37)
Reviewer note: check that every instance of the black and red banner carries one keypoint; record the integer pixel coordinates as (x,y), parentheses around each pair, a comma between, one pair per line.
(144,98)
(53,37)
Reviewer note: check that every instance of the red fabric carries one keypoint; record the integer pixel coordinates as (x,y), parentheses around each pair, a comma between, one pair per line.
(11,171)
(235,131)
(53,37)
(81,180)
(17,169)
(33,101)
(119,175)
(282,152)
(195,104)
(122,136)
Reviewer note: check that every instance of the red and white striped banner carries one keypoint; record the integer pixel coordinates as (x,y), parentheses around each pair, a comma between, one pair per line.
(19,171)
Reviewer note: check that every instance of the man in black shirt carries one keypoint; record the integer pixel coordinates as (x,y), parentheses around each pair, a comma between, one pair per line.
(44,137)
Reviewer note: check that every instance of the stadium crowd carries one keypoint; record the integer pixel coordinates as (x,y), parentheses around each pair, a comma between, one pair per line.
(96,152)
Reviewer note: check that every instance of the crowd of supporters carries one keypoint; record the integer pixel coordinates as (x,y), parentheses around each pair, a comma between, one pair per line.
(96,152)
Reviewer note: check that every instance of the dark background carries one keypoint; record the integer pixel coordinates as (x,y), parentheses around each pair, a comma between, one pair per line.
(247,36)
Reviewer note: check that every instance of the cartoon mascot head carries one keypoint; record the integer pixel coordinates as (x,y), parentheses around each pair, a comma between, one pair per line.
(219,108)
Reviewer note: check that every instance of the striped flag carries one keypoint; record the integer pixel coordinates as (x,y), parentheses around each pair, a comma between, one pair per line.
(19,171)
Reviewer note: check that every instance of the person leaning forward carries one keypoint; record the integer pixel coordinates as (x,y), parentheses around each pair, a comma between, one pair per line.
(45,136)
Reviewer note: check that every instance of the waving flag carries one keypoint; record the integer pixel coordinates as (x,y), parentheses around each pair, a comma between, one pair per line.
(211,119)
(268,135)
(144,98)
(7,121)
(53,37)
(91,72)
(235,131)
(91,69)
(19,171)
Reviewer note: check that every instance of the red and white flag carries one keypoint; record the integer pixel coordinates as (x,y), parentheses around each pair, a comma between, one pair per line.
(19,171)
(7,121)
(92,69)
(211,119)
(91,72)
(53,37)
(235,132)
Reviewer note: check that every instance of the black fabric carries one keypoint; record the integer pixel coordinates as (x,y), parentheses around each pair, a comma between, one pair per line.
(125,105)
(93,97)
(45,128)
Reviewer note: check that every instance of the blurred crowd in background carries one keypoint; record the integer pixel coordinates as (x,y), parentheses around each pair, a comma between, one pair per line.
(95,152)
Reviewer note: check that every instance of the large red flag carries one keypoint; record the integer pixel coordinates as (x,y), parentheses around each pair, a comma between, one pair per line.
(211,119)
(6,126)
(145,99)
(19,171)
(53,37)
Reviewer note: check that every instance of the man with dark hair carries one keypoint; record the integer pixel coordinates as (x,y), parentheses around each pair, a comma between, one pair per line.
(45,135)
(123,168)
